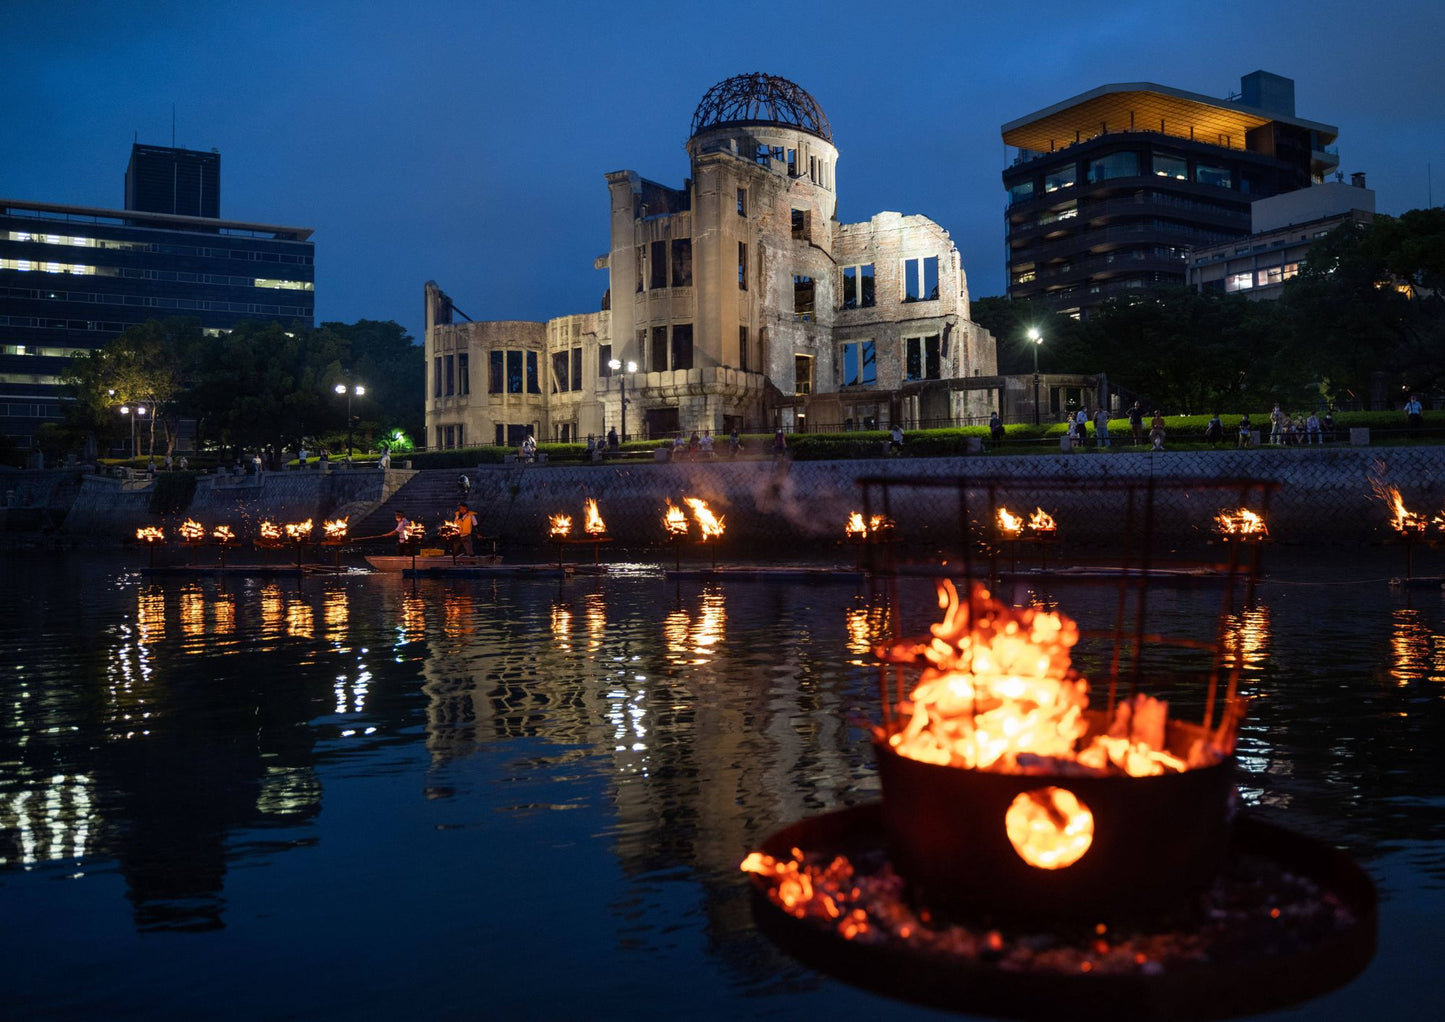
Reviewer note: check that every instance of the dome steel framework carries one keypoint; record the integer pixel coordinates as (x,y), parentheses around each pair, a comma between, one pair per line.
(759,98)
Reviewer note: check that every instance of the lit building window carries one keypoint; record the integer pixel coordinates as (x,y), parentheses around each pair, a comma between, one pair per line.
(1239,282)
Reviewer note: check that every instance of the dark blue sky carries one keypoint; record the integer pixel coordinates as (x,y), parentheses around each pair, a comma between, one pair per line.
(466,142)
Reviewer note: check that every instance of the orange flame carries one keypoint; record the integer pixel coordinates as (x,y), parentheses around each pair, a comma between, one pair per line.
(858,528)
(675,520)
(415,530)
(223,533)
(595,525)
(1009,523)
(1049,827)
(298,531)
(448,530)
(1241,522)
(710,524)
(150,533)
(270,530)
(1402,519)
(336,527)
(1041,521)
(997,692)
(561,524)
(192,531)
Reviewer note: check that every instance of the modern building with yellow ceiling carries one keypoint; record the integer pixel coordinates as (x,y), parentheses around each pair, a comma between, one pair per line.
(1109,190)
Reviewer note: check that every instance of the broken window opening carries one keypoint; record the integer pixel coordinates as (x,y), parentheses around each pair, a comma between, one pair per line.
(860,367)
(858,292)
(922,359)
(534,382)
(604,358)
(920,279)
(742,266)
(496,374)
(743,348)
(641,264)
(451,366)
(560,381)
(800,224)
(464,374)
(659,349)
(802,298)
(576,368)
(682,262)
(514,372)
(802,374)
(742,202)
(657,266)
(436,377)
(682,346)
(792,163)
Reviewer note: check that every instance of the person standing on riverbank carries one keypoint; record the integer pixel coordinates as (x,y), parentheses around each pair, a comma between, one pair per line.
(1101,427)
(1136,423)
(1414,412)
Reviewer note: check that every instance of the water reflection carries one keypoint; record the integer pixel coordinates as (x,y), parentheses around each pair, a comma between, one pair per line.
(627,739)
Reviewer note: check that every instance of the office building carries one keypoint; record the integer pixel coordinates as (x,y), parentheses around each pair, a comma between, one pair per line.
(1283,228)
(74,277)
(735,301)
(183,182)
(1108,191)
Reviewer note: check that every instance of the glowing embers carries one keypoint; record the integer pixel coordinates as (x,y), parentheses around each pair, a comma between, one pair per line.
(996,691)
(192,531)
(150,534)
(269,532)
(299,532)
(560,526)
(1049,827)
(223,534)
(335,529)
(1241,524)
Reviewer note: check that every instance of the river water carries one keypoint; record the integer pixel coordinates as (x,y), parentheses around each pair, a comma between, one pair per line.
(366,797)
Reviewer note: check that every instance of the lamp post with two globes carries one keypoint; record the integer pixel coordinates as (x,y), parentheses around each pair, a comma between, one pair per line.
(1038,339)
(349,389)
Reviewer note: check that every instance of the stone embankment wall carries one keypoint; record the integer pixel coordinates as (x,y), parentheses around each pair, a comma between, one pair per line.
(1323,495)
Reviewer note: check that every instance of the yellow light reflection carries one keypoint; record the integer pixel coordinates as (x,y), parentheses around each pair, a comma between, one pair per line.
(193,611)
(867,627)
(150,615)
(223,614)
(272,609)
(336,611)
(691,642)
(413,617)
(596,614)
(1246,639)
(457,614)
(1418,652)
(562,625)
(300,619)
(49,818)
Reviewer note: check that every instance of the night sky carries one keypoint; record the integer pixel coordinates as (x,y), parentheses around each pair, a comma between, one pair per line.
(466,142)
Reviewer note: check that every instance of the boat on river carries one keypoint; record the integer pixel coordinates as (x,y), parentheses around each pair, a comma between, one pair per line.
(405,562)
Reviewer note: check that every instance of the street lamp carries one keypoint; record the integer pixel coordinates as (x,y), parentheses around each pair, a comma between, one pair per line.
(615,365)
(1038,339)
(358,390)
(126,410)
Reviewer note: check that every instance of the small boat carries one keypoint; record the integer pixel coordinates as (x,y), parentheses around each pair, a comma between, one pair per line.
(405,562)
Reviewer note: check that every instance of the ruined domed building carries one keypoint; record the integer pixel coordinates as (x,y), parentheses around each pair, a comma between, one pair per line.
(737,300)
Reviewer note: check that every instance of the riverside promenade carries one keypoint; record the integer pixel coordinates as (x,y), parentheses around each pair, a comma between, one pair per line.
(1324,495)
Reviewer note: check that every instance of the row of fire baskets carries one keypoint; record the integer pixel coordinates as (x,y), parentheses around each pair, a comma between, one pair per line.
(270,535)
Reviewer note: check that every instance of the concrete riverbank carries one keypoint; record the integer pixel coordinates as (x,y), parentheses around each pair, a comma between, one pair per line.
(1321,495)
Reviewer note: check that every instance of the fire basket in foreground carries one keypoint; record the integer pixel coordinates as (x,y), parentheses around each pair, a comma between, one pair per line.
(1006,789)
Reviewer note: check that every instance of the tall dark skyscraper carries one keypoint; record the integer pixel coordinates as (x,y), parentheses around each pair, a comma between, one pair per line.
(182,182)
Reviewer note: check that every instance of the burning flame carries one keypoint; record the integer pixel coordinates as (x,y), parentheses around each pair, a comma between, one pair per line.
(710,524)
(1403,520)
(298,531)
(561,524)
(223,533)
(1009,523)
(415,530)
(1041,521)
(270,530)
(448,530)
(1241,522)
(335,528)
(997,692)
(192,531)
(595,525)
(858,528)
(675,520)
(150,533)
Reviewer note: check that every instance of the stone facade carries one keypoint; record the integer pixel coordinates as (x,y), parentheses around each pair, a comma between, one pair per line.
(738,300)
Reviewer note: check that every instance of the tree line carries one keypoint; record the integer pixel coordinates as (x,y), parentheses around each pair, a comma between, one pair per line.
(1362,324)
(259,386)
